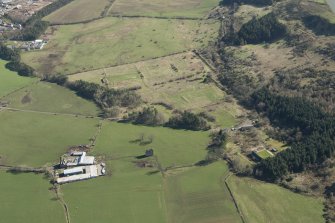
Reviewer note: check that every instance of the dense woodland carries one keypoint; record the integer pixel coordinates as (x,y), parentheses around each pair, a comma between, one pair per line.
(250,2)
(187,120)
(257,30)
(147,116)
(104,97)
(319,25)
(317,127)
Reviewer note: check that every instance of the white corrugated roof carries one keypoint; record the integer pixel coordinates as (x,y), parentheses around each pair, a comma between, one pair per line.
(73,170)
(86,160)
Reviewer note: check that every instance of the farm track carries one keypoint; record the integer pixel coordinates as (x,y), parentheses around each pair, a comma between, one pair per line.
(56,189)
(105,13)
(92,144)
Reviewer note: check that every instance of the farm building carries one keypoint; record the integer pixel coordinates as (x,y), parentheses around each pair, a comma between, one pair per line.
(76,166)
(81,173)
(76,159)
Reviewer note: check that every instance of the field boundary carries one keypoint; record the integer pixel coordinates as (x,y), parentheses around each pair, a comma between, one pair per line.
(157,17)
(56,189)
(128,17)
(108,8)
(233,198)
(49,113)
(130,63)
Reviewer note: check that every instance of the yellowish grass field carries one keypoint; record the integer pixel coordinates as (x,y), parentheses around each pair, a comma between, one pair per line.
(113,41)
(78,11)
(164,8)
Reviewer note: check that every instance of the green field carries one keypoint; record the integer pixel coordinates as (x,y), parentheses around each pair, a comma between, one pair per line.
(198,195)
(262,202)
(111,41)
(263,154)
(164,8)
(10,81)
(77,11)
(129,195)
(171,147)
(33,139)
(48,97)
(26,198)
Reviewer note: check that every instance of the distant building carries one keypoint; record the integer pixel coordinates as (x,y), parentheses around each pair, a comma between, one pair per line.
(149,152)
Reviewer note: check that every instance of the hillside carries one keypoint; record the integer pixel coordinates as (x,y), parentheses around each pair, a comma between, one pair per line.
(198,110)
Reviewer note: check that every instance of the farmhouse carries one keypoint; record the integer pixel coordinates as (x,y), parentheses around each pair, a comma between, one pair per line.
(77,166)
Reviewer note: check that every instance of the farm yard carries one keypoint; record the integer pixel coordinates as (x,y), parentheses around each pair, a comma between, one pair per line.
(161,8)
(115,41)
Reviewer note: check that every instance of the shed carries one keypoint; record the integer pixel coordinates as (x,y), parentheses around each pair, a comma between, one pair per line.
(71,171)
(149,152)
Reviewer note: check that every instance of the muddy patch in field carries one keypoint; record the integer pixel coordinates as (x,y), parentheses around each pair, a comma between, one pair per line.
(26,99)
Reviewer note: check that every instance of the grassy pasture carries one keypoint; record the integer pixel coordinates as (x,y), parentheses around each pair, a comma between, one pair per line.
(11,81)
(224,117)
(176,80)
(164,8)
(262,202)
(113,41)
(38,96)
(263,154)
(129,195)
(26,198)
(172,147)
(199,195)
(33,139)
(77,11)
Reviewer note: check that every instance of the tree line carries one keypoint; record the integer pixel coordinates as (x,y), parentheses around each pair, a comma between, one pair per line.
(249,2)
(104,97)
(317,127)
(15,64)
(34,26)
